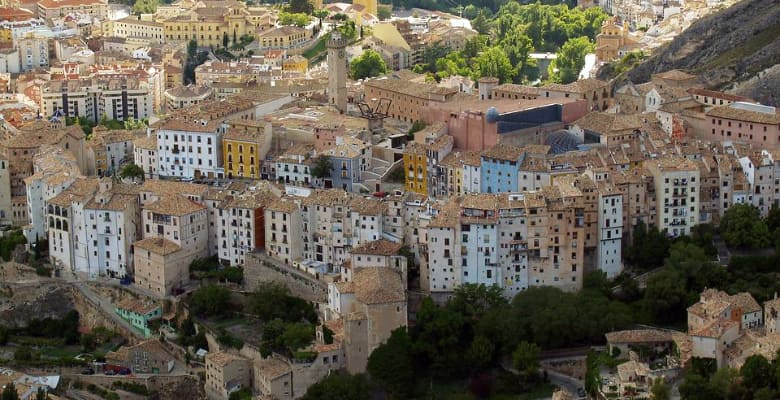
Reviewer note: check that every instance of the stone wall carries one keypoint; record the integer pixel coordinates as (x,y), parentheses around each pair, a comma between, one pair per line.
(259,269)
(19,303)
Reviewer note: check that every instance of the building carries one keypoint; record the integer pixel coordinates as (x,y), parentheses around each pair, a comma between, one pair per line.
(677,184)
(273,377)
(147,357)
(121,99)
(242,224)
(282,227)
(337,73)
(109,150)
(112,219)
(245,146)
(614,41)
(296,63)
(379,253)
(610,234)
(295,165)
(139,30)
(5,192)
(67,226)
(33,51)
(51,9)
(499,169)
(226,373)
(139,314)
(186,96)
(175,232)
(744,122)
(145,155)
(284,37)
(597,93)
(349,158)
(372,305)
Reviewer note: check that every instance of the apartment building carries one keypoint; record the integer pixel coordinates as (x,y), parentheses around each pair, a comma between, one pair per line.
(499,169)
(350,157)
(95,98)
(132,27)
(677,183)
(379,253)
(175,232)
(21,148)
(610,235)
(112,226)
(226,373)
(283,227)
(33,51)
(185,96)
(67,229)
(109,150)
(245,145)
(295,164)
(242,224)
(145,155)
(55,170)
(416,167)
(745,122)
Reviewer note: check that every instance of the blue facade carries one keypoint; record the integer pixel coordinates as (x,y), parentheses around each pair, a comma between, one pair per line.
(499,176)
(344,172)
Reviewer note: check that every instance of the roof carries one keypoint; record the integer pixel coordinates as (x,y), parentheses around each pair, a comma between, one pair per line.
(196,91)
(503,152)
(283,205)
(69,3)
(730,112)
(159,246)
(79,190)
(137,306)
(112,202)
(271,368)
(580,86)
(175,205)
(381,247)
(745,302)
(639,336)
(163,187)
(378,285)
(718,95)
(604,123)
(223,359)
(146,142)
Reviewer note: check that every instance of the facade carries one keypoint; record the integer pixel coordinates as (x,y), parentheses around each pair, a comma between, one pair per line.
(677,185)
(67,227)
(349,158)
(190,148)
(139,314)
(145,155)
(610,235)
(112,225)
(49,9)
(147,357)
(94,99)
(186,96)
(242,225)
(499,169)
(245,146)
(226,373)
(137,29)
(5,193)
(294,166)
(33,51)
(283,37)
(745,122)
(282,228)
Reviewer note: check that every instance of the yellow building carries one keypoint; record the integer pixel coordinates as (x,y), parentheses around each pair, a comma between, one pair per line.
(370,6)
(210,25)
(283,37)
(244,147)
(416,168)
(5,37)
(296,64)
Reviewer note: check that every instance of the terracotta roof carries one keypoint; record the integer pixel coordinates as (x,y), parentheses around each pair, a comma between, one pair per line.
(146,142)
(162,187)
(745,301)
(718,95)
(223,359)
(137,306)
(271,368)
(729,112)
(345,287)
(69,3)
(176,205)
(503,152)
(378,285)
(196,91)
(580,86)
(381,247)
(79,190)
(367,206)
(115,202)
(159,246)
(639,336)
(283,205)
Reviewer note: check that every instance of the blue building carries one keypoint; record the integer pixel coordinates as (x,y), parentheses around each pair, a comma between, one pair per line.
(348,160)
(500,165)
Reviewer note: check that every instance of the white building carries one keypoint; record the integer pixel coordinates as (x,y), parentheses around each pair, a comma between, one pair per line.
(145,156)
(33,51)
(283,230)
(115,98)
(610,215)
(241,227)
(677,194)
(190,148)
(293,167)
(112,224)
(66,226)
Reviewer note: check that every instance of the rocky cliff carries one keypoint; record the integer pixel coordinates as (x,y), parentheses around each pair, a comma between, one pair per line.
(736,50)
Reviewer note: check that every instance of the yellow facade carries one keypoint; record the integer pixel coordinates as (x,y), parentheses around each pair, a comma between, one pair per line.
(209,30)
(5,36)
(283,37)
(416,169)
(241,159)
(370,6)
(296,64)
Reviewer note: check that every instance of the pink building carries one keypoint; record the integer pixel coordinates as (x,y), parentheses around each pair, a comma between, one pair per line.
(745,122)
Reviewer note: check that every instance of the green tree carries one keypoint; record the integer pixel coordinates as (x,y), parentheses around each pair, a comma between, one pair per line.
(322,167)
(665,296)
(439,339)
(391,365)
(726,382)
(210,300)
(225,40)
(297,19)
(297,335)
(243,394)
(480,23)
(742,226)
(384,11)
(367,65)
(300,6)
(9,392)
(756,373)
(494,62)
(525,358)
(518,46)
(696,387)
(131,171)
(570,60)
(474,300)
(660,390)
(339,386)
(649,248)
(23,353)
(480,353)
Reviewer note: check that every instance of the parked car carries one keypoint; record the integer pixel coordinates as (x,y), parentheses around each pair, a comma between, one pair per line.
(110,372)
(87,371)
(124,371)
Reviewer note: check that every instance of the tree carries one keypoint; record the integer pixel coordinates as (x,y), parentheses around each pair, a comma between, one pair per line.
(133,124)
(742,226)
(756,373)
(480,23)
(297,19)
(9,392)
(665,296)
(384,11)
(525,358)
(367,65)
(571,58)
(339,386)
(131,171)
(225,40)
(660,390)
(649,248)
(474,300)
(494,62)
(210,300)
(391,364)
(322,167)
(297,335)
(300,6)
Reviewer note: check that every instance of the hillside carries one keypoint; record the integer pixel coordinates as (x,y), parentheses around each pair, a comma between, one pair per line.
(731,46)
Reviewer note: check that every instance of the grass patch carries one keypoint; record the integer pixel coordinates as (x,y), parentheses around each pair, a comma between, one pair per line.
(60,352)
(744,49)
(316,51)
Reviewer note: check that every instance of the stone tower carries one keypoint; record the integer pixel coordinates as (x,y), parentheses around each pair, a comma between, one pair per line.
(337,73)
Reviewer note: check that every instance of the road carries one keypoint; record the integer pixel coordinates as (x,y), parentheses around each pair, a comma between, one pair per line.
(106,307)
(564,382)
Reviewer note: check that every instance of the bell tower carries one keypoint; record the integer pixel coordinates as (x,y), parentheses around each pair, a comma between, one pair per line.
(337,73)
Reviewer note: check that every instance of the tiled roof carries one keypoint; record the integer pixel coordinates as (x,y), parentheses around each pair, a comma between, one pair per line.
(176,205)
(162,187)
(367,206)
(378,285)
(115,202)
(159,246)
(137,306)
(79,190)
(271,368)
(639,336)
(283,205)
(146,142)
(718,95)
(503,152)
(381,247)
(738,114)
(223,359)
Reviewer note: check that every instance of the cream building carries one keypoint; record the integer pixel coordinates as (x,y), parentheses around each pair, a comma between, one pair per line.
(145,155)
(49,9)
(283,230)
(186,96)
(226,373)
(677,185)
(120,99)
(150,32)
(33,51)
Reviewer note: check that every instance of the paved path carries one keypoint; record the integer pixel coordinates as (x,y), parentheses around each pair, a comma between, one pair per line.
(105,307)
